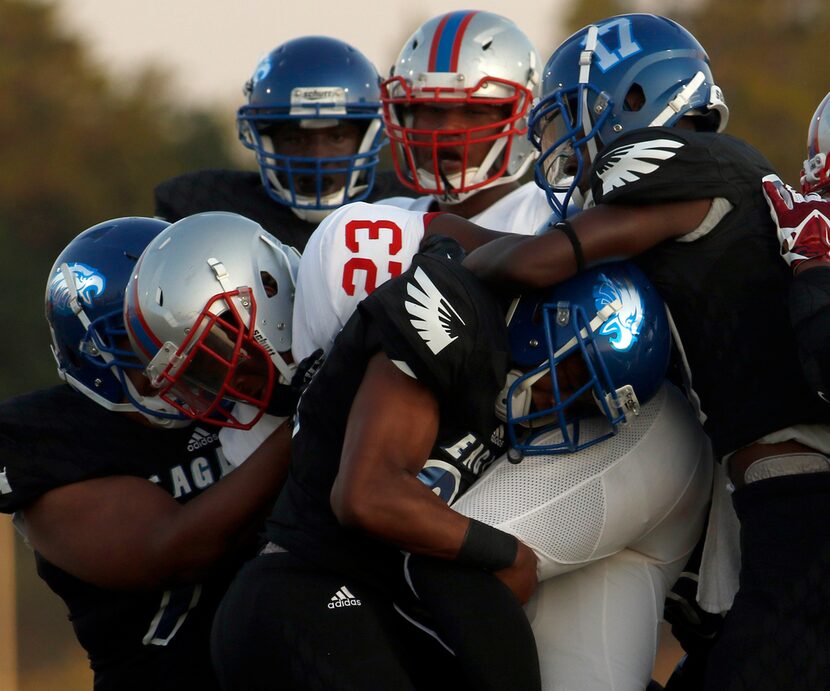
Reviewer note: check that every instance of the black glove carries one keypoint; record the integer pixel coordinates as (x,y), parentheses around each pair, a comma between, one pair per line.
(284,397)
(442,246)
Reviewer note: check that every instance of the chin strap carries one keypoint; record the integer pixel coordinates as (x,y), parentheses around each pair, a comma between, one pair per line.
(586,57)
(450,195)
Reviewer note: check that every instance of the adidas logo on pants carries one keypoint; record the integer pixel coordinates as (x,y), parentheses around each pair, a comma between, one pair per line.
(343,598)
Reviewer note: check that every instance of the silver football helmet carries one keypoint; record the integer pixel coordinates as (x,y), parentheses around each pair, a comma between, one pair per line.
(815,176)
(208,311)
(461,59)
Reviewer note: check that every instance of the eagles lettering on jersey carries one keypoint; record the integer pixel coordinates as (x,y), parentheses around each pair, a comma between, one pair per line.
(242,192)
(79,447)
(438,323)
(456,464)
(726,287)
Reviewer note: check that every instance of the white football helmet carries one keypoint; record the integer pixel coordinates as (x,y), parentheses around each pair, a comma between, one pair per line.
(455,60)
(816,174)
(208,311)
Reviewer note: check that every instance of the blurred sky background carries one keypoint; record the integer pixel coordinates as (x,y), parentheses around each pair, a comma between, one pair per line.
(213,46)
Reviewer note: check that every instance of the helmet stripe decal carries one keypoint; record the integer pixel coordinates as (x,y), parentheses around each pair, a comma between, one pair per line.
(443,54)
(813,145)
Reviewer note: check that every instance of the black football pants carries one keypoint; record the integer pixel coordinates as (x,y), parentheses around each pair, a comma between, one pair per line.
(286,624)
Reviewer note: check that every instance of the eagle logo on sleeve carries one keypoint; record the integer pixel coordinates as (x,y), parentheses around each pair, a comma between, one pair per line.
(434,318)
(631,162)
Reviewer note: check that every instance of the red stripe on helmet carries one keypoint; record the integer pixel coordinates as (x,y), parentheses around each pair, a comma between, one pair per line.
(459,37)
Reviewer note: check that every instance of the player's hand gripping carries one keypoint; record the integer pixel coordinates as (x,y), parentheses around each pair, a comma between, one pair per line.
(521,576)
(285,397)
(802,221)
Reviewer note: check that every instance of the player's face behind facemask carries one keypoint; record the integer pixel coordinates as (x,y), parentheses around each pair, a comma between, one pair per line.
(451,143)
(456,103)
(318,156)
(587,354)
(209,313)
(220,365)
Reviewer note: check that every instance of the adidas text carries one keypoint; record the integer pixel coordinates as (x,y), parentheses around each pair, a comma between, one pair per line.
(351,602)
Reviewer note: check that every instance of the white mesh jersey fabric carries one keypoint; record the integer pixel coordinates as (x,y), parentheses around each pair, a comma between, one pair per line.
(577,508)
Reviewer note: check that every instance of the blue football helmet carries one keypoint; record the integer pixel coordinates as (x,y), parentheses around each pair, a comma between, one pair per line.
(618,75)
(84,304)
(602,339)
(316,82)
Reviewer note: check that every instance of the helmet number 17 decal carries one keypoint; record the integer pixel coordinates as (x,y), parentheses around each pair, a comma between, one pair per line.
(627,44)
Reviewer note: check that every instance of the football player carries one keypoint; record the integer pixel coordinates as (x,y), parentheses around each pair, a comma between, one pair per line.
(455,110)
(312,119)
(615,480)
(135,522)
(632,584)
(803,225)
(631,120)
(413,375)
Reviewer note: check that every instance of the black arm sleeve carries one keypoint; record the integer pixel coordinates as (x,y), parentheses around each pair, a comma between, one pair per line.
(810,314)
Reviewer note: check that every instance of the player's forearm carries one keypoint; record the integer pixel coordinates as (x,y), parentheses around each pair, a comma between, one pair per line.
(403,511)
(464,232)
(212,525)
(598,234)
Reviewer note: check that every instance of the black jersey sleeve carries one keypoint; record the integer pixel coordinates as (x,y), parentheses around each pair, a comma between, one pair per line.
(207,190)
(388,185)
(39,450)
(238,191)
(660,164)
(439,323)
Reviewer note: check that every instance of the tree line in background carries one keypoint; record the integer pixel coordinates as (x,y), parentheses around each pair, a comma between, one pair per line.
(77,146)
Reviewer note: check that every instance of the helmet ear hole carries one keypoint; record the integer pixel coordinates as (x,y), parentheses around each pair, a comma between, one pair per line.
(269,284)
(72,356)
(635,99)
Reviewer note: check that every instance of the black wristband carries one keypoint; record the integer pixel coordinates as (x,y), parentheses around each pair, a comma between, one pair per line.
(488,547)
(567,228)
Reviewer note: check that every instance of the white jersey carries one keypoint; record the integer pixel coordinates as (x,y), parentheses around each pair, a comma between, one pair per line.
(522,211)
(359,246)
(354,250)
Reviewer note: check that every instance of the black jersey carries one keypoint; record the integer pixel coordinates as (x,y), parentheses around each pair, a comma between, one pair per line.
(727,289)
(137,639)
(437,321)
(242,192)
